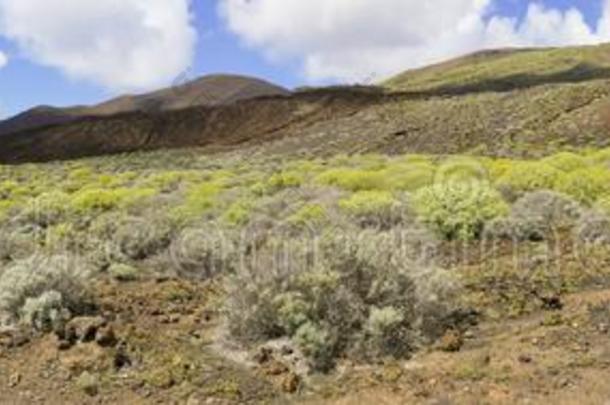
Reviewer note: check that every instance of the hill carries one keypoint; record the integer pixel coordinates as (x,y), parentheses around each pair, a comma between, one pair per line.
(528,102)
(205,91)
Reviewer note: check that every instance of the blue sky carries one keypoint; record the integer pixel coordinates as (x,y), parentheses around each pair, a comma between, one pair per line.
(253,41)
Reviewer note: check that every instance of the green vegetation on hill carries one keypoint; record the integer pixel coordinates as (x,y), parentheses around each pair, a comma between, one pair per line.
(508,70)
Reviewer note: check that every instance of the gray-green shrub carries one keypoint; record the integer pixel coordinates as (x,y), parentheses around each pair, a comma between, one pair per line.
(34,289)
(536,216)
(359,294)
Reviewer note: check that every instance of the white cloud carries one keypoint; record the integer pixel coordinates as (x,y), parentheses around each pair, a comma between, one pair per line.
(353,39)
(3,59)
(120,44)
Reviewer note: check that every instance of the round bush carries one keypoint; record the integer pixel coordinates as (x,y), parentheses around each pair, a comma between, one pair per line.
(31,288)
(458,210)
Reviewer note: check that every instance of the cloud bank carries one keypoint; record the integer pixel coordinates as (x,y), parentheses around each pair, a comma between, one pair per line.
(3,59)
(119,44)
(352,40)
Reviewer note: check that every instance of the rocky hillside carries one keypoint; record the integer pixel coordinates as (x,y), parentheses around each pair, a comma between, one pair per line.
(506,102)
(210,90)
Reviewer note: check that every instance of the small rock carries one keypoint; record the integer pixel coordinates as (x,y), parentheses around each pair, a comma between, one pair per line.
(286,350)
(276,368)
(452,341)
(88,383)
(525,359)
(291,383)
(263,355)
(105,337)
(14,380)
(84,329)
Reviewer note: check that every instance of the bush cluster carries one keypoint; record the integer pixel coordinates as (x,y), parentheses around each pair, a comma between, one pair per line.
(357,294)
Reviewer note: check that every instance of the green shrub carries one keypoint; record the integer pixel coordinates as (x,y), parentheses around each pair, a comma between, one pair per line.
(5,209)
(409,176)
(238,213)
(123,272)
(200,198)
(353,179)
(47,209)
(32,289)
(458,210)
(461,170)
(309,214)
(169,181)
(99,200)
(603,204)
(63,237)
(566,161)
(522,177)
(601,157)
(373,208)
(586,185)
(286,179)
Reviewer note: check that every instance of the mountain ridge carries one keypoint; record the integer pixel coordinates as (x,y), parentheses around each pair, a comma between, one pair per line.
(511,102)
(216,89)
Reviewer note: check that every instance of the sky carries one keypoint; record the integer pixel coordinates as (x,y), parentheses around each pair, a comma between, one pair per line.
(66,52)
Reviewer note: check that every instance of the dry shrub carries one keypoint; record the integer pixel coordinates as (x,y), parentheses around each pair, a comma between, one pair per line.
(361,294)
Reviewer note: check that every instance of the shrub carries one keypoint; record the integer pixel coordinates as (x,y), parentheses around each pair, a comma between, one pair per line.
(286,179)
(16,245)
(603,204)
(536,216)
(47,209)
(238,213)
(135,238)
(10,190)
(45,313)
(593,227)
(200,198)
(309,214)
(168,181)
(409,176)
(601,157)
(372,208)
(92,201)
(203,252)
(586,185)
(32,289)
(458,210)
(462,170)
(5,209)
(522,177)
(123,272)
(351,294)
(353,179)
(566,161)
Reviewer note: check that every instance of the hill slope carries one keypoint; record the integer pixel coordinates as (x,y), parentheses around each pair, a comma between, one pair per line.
(205,91)
(527,102)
